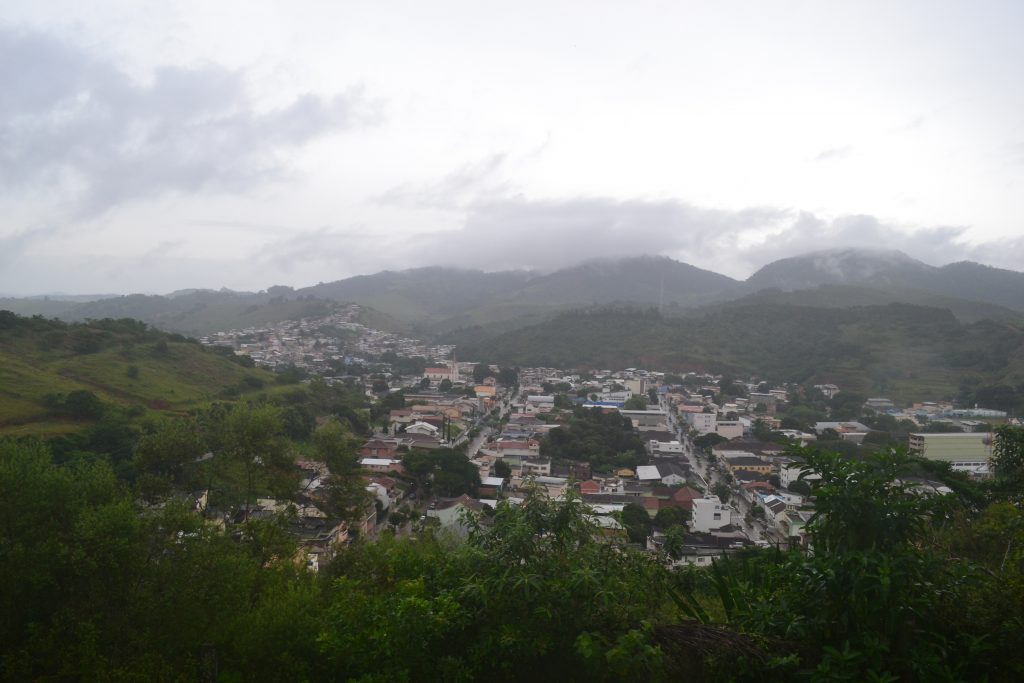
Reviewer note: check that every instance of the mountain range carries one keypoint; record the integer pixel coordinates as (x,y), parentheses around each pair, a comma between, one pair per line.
(791,318)
(436,301)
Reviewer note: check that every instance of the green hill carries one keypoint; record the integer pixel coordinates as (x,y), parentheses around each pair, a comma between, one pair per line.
(901,350)
(122,362)
(421,294)
(203,311)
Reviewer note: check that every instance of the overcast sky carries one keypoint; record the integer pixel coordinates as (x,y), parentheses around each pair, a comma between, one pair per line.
(156,146)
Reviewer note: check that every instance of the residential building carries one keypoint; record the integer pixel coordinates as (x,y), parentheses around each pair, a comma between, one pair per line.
(672,474)
(747,461)
(382,465)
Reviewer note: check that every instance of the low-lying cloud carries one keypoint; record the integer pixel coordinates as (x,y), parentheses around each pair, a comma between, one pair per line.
(518,232)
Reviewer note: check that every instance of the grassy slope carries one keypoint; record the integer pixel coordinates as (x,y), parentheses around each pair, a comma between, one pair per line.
(186,375)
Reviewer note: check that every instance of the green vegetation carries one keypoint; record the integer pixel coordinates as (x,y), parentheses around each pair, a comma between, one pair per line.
(450,470)
(636,403)
(54,376)
(605,440)
(900,586)
(903,351)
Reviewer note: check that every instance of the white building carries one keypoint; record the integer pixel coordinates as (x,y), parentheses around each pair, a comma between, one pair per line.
(665,447)
(704,423)
(732,429)
(709,514)
(422,428)
(648,473)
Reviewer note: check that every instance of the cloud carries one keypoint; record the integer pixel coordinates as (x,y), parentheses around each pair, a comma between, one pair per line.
(344,251)
(523,233)
(547,234)
(16,244)
(453,191)
(74,121)
(834,154)
(1015,153)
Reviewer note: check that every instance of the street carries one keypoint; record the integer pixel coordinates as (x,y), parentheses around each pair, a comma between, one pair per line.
(709,473)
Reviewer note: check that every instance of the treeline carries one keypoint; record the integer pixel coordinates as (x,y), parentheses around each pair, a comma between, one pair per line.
(88,337)
(903,584)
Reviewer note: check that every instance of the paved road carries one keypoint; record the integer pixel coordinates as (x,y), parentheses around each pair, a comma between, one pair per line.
(479,441)
(756,530)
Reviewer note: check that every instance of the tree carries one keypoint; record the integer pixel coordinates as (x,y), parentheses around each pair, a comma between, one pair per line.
(445,386)
(1008,453)
(454,474)
(670,517)
(481,371)
(508,377)
(425,383)
(675,541)
(637,522)
(165,452)
(828,434)
(563,402)
(346,495)
(846,405)
(502,469)
(532,590)
(334,444)
(723,491)
(606,440)
(800,486)
(636,402)
(251,442)
(761,430)
(420,465)
(708,441)
(82,405)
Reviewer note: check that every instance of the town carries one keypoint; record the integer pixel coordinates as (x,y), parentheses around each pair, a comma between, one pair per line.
(701,465)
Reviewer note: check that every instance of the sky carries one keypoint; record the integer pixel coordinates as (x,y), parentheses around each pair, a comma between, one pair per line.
(149,147)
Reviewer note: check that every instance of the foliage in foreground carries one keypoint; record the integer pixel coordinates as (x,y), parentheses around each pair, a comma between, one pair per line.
(900,586)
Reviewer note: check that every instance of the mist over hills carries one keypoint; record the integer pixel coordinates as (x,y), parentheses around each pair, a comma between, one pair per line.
(465,303)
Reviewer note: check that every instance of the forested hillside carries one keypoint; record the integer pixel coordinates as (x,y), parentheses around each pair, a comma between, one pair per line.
(896,349)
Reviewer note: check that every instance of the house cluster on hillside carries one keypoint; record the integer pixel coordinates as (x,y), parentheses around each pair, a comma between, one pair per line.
(321,344)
